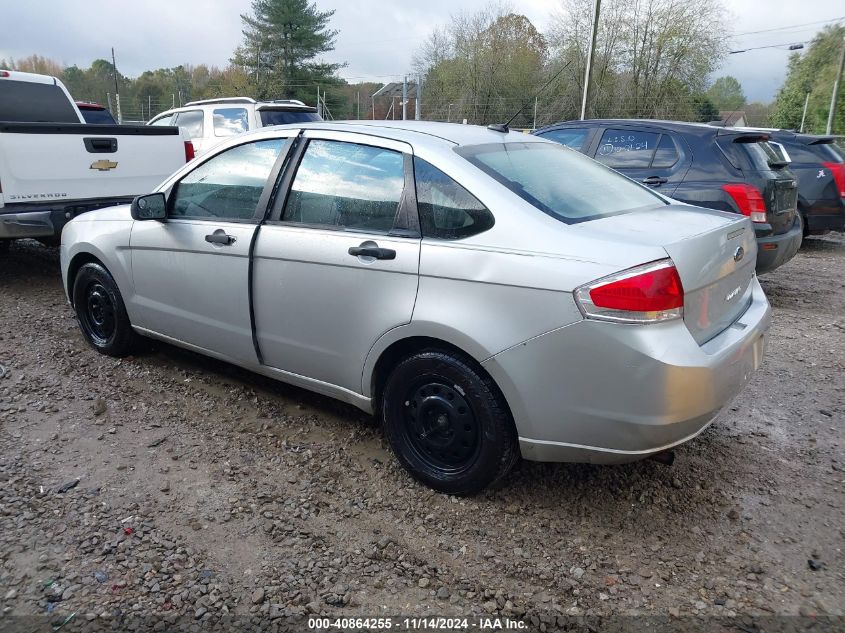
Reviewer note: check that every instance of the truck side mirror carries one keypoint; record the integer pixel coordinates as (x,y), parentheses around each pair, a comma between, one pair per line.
(152,206)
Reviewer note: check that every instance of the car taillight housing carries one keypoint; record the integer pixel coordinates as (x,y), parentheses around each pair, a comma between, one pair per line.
(189,151)
(749,200)
(837,170)
(645,294)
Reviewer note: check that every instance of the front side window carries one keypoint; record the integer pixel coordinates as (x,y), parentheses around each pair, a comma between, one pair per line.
(229,121)
(190,122)
(622,149)
(447,210)
(346,185)
(564,184)
(571,137)
(228,185)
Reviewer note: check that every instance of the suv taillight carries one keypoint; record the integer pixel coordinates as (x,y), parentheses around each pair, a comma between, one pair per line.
(189,151)
(644,294)
(837,170)
(749,200)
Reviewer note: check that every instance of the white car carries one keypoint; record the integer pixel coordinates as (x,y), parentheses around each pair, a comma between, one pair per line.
(54,165)
(211,121)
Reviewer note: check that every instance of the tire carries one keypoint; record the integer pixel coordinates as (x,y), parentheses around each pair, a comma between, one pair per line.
(101,312)
(447,423)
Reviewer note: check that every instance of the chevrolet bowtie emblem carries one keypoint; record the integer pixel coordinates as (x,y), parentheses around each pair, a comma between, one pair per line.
(103,165)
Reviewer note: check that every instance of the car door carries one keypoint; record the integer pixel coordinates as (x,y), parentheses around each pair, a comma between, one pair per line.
(336,266)
(190,272)
(648,155)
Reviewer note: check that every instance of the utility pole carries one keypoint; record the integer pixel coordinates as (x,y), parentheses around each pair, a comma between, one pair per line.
(535,114)
(116,89)
(418,108)
(835,95)
(405,97)
(358,103)
(804,114)
(590,53)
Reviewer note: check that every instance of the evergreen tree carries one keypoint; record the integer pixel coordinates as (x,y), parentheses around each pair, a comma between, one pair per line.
(282,40)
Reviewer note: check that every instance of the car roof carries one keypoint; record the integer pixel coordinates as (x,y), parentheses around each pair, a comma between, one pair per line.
(89,105)
(421,131)
(702,129)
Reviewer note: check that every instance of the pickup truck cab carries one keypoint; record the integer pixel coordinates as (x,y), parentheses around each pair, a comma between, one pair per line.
(54,166)
(211,121)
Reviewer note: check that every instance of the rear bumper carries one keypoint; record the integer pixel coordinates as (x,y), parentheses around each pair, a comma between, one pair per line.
(18,221)
(817,223)
(774,251)
(610,393)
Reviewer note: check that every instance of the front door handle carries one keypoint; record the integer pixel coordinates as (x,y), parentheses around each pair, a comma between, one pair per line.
(654,181)
(220,237)
(375,252)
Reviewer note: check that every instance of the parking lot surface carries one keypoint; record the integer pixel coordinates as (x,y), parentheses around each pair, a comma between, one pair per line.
(171,484)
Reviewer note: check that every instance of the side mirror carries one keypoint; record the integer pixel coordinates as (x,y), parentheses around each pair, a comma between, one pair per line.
(152,206)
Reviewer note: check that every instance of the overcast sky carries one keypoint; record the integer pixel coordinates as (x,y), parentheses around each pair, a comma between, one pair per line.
(377,37)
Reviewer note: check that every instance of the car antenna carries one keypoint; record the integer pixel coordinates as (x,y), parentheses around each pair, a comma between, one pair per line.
(503,127)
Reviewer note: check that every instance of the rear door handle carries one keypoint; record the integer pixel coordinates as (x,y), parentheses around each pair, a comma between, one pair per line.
(219,237)
(375,252)
(654,181)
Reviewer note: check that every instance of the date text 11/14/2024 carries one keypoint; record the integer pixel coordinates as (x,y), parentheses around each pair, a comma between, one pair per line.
(416,624)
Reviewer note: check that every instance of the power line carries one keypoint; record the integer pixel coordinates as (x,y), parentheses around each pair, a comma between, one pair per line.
(797,45)
(791,26)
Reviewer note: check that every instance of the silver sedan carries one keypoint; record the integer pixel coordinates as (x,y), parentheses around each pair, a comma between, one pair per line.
(485,293)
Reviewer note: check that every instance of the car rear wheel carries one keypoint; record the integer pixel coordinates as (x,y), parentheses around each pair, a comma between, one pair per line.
(101,312)
(447,423)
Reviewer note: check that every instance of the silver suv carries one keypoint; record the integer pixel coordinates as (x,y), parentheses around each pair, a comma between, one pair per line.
(211,121)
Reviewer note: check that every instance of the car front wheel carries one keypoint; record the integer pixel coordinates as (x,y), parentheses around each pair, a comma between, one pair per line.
(447,423)
(100,311)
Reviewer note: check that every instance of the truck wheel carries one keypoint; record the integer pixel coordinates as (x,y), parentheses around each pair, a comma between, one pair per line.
(447,423)
(101,312)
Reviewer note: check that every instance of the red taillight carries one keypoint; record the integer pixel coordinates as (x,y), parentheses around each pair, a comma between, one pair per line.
(837,170)
(644,294)
(749,200)
(5,73)
(189,151)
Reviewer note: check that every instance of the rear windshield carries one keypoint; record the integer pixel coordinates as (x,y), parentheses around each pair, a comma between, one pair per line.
(828,152)
(97,116)
(282,117)
(559,181)
(29,102)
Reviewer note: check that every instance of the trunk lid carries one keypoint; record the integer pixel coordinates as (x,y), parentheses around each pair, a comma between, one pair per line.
(715,253)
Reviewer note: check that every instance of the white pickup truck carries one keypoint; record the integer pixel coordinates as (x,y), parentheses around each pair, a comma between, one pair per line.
(54,166)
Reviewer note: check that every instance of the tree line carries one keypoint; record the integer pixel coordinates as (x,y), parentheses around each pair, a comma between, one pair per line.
(653,59)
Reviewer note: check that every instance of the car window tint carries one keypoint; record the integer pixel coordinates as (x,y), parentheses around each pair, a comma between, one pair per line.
(346,185)
(165,120)
(30,101)
(227,186)
(96,115)
(626,148)
(284,117)
(666,154)
(190,122)
(447,210)
(229,121)
(571,137)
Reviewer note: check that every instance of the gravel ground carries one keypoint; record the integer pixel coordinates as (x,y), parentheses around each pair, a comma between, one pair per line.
(178,488)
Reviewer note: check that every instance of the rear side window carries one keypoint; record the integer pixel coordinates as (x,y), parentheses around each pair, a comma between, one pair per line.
(347,186)
(568,186)
(667,154)
(227,186)
(190,122)
(229,121)
(571,137)
(283,117)
(626,148)
(447,210)
(25,101)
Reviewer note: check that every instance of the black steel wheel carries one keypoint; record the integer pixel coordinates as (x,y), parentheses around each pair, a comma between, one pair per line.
(447,423)
(100,311)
